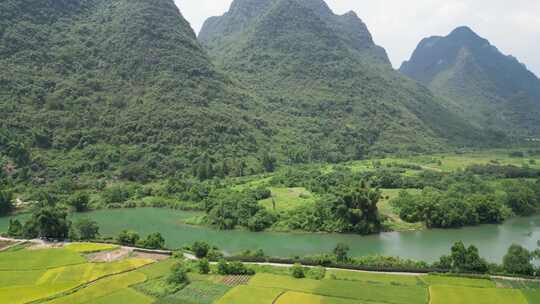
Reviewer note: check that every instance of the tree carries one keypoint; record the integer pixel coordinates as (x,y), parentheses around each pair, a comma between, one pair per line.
(128,238)
(87,229)
(261,220)
(79,202)
(6,199)
(518,260)
(521,197)
(269,162)
(178,274)
(15,228)
(204,266)
(297,271)
(233,268)
(49,222)
(341,252)
(466,259)
(200,249)
(154,241)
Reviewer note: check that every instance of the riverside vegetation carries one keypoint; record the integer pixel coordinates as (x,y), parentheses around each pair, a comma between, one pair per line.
(281,116)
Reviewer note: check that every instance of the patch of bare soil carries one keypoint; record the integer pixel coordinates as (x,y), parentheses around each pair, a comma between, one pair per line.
(109,256)
(37,245)
(150,256)
(6,244)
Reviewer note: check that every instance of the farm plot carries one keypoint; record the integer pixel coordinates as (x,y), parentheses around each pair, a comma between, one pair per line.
(533,296)
(45,273)
(441,294)
(457,281)
(251,295)
(353,290)
(200,292)
(39,259)
(90,247)
(373,277)
(105,288)
(236,280)
(304,298)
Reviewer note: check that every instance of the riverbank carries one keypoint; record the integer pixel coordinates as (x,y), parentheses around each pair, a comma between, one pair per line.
(272,261)
(427,245)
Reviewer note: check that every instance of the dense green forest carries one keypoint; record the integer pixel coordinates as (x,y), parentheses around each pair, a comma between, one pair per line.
(95,89)
(491,90)
(113,104)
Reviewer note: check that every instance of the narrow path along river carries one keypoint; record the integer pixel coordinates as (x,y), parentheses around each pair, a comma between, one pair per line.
(428,245)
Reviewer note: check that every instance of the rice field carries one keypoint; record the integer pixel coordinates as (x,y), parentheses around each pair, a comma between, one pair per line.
(60,275)
(52,280)
(90,247)
(441,294)
(346,287)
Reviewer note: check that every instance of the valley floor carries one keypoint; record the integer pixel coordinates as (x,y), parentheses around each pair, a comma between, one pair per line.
(67,275)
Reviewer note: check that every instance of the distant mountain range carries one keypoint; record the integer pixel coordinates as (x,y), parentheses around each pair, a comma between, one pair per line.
(301,58)
(124,88)
(489,89)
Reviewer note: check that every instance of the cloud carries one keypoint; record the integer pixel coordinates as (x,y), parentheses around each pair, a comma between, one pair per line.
(398,25)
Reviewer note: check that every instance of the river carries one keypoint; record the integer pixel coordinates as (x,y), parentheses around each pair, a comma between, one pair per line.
(428,245)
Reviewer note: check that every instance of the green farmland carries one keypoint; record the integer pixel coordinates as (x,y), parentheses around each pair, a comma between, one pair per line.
(344,287)
(64,276)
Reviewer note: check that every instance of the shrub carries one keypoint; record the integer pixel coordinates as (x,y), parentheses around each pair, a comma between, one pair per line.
(87,229)
(297,271)
(153,241)
(128,238)
(316,273)
(233,268)
(200,249)
(178,274)
(204,266)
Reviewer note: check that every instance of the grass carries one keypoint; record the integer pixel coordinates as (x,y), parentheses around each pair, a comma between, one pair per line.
(89,272)
(288,198)
(123,296)
(103,288)
(367,277)
(457,281)
(304,298)
(353,290)
(20,278)
(250,295)
(39,259)
(158,269)
(29,293)
(532,296)
(441,294)
(394,222)
(90,247)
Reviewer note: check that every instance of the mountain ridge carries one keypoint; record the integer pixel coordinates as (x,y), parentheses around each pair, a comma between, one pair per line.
(288,52)
(491,89)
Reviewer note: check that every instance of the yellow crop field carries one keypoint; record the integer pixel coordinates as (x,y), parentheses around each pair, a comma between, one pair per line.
(441,294)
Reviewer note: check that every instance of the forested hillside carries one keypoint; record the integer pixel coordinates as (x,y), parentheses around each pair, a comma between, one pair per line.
(326,70)
(492,90)
(122,90)
(98,86)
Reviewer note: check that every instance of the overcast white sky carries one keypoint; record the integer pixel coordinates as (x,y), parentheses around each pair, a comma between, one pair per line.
(398,26)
